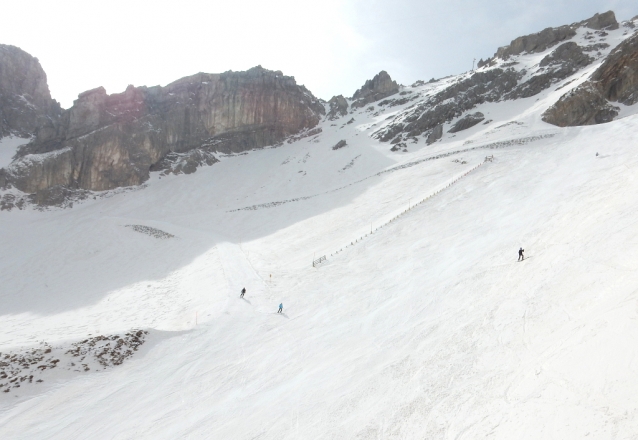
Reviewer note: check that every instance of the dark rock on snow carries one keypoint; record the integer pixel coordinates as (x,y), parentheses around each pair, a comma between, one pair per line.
(342,143)
(468,121)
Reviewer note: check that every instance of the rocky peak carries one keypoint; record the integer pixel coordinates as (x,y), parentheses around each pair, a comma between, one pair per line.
(606,20)
(379,87)
(24,94)
(338,107)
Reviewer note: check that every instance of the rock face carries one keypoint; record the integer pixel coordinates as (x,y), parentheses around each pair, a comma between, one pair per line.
(606,20)
(25,100)
(108,141)
(338,107)
(616,80)
(466,122)
(379,87)
(549,37)
(584,105)
(535,43)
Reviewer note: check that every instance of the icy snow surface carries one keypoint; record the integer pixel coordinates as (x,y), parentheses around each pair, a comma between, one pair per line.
(427,327)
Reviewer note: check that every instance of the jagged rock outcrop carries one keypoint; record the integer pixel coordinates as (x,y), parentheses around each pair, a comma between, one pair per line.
(537,42)
(25,100)
(467,121)
(108,141)
(549,37)
(616,80)
(606,20)
(338,107)
(379,87)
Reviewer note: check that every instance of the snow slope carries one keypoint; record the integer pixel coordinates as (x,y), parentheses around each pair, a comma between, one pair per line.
(425,328)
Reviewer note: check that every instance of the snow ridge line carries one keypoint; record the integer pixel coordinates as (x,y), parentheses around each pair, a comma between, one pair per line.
(352,243)
(491,146)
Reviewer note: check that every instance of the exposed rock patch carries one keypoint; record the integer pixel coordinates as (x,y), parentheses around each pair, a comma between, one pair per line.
(450,103)
(33,366)
(468,121)
(563,62)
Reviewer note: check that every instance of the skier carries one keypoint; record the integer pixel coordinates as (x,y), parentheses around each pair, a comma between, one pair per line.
(243,291)
(520,254)
(281,308)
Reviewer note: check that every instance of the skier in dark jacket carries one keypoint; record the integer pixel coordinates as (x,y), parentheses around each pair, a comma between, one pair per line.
(243,291)
(520,254)
(281,308)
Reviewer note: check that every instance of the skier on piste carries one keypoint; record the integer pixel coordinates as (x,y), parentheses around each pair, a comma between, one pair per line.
(281,308)
(243,291)
(520,254)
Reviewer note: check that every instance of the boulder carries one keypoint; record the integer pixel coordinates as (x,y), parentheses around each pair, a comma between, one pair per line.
(342,143)
(563,62)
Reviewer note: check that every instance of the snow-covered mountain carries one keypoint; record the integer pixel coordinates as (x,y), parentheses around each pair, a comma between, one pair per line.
(121,316)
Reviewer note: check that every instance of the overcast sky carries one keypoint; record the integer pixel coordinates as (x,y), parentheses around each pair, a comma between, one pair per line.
(331,46)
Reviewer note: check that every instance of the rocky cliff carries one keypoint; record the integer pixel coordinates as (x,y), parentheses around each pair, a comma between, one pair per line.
(109,141)
(616,80)
(25,101)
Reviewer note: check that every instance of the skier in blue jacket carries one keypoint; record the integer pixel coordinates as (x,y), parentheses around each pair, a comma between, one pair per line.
(281,308)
